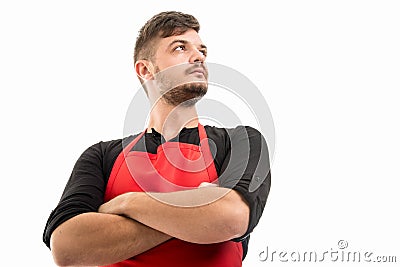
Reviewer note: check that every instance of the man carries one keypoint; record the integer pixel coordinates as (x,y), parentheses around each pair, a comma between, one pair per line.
(176,194)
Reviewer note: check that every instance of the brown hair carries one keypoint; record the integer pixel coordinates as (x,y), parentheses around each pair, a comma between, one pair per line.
(162,25)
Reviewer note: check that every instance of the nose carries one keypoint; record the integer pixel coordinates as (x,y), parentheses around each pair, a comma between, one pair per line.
(197,56)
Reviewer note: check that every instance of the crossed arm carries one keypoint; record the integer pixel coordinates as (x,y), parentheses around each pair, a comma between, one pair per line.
(136,222)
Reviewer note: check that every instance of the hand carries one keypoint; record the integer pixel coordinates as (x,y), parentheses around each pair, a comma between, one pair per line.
(119,204)
(205,184)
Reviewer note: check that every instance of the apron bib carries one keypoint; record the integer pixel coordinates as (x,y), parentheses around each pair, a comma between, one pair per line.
(176,166)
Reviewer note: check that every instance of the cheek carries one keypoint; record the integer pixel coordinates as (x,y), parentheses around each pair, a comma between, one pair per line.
(166,62)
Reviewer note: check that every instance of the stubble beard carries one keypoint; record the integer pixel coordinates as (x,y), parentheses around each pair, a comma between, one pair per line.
(186,94)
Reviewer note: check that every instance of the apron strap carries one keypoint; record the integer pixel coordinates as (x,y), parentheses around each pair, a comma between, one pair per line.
(207,155)
(118,163)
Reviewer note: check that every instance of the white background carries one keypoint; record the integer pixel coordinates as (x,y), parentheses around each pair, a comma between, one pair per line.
(329,70)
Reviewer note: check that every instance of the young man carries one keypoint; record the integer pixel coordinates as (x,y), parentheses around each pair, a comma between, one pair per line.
(177,194)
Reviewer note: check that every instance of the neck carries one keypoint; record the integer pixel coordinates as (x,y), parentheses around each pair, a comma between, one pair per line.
(169,120)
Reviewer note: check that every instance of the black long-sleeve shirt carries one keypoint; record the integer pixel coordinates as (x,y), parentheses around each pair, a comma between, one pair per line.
(240,158)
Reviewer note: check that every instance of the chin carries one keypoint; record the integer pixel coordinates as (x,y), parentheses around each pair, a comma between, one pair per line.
(186,95)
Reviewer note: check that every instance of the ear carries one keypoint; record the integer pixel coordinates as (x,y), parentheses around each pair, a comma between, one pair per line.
(144,69)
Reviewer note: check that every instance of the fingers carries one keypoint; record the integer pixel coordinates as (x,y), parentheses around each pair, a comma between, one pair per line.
(205,184)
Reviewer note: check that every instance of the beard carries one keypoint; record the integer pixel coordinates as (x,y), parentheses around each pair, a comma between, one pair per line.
(185,94)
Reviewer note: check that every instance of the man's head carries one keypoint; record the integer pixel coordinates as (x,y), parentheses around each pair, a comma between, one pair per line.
(169,49)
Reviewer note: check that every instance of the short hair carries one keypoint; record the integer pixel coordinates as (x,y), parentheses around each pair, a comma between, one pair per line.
(162,25)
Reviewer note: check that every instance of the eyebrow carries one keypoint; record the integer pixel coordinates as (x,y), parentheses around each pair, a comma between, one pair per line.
(184,42)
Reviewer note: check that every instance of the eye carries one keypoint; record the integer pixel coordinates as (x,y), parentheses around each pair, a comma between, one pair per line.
(179,48)
(204,52)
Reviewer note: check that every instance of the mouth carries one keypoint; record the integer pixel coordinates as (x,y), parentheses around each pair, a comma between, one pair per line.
(198,72)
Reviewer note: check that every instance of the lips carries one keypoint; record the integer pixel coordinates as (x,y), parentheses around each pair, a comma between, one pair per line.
(198,70)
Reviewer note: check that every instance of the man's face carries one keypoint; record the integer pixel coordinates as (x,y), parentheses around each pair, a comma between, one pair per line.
(179,68)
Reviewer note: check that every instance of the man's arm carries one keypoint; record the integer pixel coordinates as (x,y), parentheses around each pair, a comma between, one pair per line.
(100,239)
(203,215)
(77,234)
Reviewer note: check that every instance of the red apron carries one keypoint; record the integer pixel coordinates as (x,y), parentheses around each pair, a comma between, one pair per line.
(176,166)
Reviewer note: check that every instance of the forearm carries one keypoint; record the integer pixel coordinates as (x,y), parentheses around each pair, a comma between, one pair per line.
(204,215)
(100,239)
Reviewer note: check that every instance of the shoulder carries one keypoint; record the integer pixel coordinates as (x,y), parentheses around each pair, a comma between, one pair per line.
(239,131)
(109,147)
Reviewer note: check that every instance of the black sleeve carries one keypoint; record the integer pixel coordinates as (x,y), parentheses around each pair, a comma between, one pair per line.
(83,192)
(246,169)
